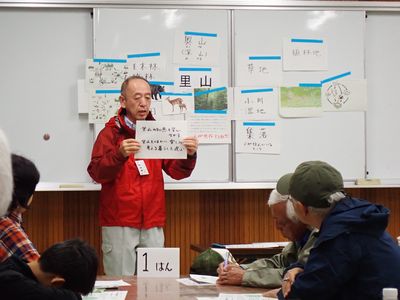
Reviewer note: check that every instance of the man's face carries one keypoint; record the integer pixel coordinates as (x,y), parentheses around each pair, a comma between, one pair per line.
(289,229)
(136,100)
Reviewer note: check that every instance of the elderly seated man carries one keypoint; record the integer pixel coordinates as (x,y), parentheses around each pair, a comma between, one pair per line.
(268,272)
(353,257)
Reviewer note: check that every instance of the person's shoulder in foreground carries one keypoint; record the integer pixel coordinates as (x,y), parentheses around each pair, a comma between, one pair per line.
(351,256)
(65,271)
(13,239)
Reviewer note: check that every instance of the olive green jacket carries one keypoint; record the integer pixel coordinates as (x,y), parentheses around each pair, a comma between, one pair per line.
(268,272)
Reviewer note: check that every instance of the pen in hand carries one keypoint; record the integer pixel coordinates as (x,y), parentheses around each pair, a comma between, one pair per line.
(226,261)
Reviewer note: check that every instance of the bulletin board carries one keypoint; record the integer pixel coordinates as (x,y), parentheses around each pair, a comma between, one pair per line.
(335,137)
(41,65)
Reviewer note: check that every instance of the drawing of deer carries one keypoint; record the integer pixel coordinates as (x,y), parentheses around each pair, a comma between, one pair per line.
(179,102)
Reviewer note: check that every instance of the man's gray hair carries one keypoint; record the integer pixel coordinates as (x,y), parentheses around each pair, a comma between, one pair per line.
(6,179)
(332,200)
(275,197)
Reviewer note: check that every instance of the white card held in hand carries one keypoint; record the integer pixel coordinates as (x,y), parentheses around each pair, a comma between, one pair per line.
(161,139)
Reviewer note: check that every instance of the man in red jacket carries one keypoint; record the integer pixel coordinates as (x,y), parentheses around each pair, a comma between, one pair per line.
(132,202)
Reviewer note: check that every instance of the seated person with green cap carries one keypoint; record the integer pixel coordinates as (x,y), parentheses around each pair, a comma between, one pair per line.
(268,272)
(353,257)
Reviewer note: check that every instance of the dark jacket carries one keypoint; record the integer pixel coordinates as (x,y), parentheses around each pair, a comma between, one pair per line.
(127,198)
(17,282)
(353,257)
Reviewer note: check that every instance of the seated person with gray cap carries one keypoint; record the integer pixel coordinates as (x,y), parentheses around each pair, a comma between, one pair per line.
(268,272)
(353,257)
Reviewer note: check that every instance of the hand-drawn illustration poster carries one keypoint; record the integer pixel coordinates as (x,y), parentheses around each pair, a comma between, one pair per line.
(258,137)
(148,65)
(304,55)
(196,48)
(175,103)
(103,104)
(259,70)
(296,102)
(161,139)
(345,95)
(197,77)
(105,74)
(255,104)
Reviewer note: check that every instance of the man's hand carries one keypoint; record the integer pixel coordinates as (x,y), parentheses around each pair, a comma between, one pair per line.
(288,280)
(129,146)
(191,143)
(231,274)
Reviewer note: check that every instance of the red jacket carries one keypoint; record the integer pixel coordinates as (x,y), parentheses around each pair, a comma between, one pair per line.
(126,197)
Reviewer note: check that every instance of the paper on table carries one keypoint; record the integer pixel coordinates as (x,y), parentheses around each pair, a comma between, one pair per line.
(109,284)
(190,282)
(239,296)
(204,278)
(242,297)
(258,245)
(114,295)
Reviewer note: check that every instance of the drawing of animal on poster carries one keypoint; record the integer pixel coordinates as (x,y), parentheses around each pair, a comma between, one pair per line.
(177,103)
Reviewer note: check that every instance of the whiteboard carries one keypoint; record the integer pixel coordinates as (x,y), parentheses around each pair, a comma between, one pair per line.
(42,56)
(118,32)
(338,138)
(382,70)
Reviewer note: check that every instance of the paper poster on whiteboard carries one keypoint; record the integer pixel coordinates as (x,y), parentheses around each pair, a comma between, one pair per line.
(161,139)
(258,137)
(300,102)
(211,120)
(210,129)
(211,101)
(305,55)
(197,77)
(259,70)
(105,73)
(197,48)
(176,103)
(103,104)
(345,95)
(156,110)
(255,104)
(149,65)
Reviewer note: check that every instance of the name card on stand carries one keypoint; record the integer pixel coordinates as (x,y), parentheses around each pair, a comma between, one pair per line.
(158,262)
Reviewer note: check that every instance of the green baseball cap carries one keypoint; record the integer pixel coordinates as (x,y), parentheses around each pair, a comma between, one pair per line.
(282,186)
(313,182)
